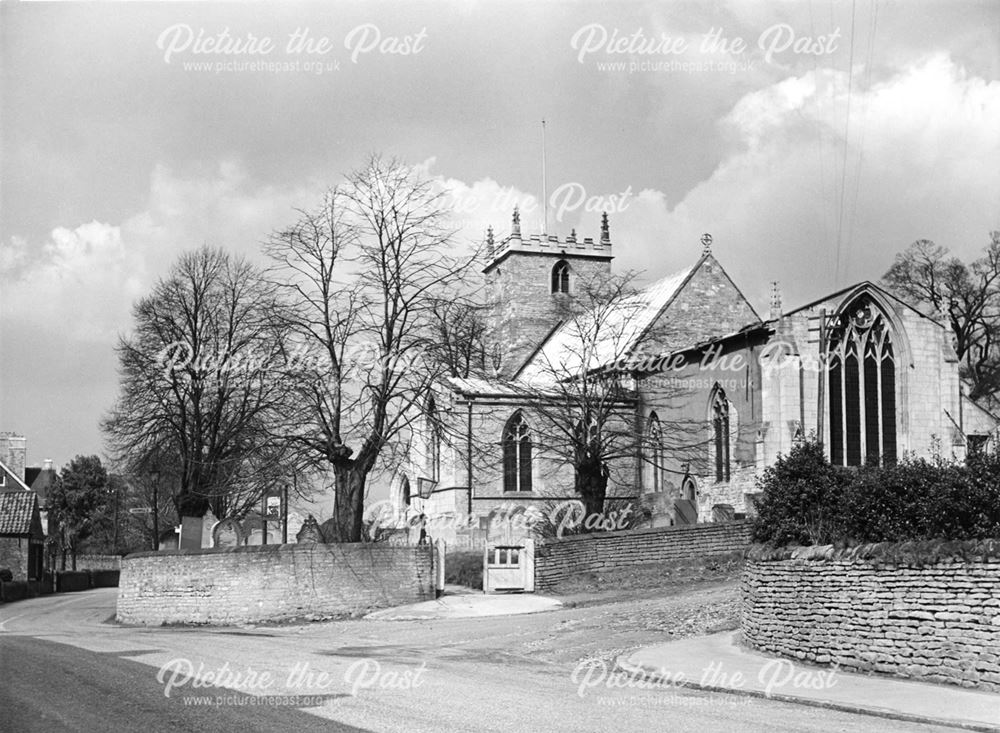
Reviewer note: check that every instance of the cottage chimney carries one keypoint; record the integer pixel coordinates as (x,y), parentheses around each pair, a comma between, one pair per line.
(13,452)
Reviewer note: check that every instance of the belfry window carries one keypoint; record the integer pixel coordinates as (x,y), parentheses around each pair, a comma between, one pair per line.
(862,388)
(720,433)
(516,454)
(560,277)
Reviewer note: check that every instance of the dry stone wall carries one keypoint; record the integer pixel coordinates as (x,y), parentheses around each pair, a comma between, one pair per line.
(270,583)
(556,560)
(936,621)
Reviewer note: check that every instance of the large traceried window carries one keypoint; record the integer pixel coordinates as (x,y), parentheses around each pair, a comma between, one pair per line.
(516,454)
(720,433)
(654,442)
(862,387)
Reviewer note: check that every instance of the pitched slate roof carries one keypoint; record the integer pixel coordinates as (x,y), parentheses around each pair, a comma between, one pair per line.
(41,481)
(608,335)
(17,509)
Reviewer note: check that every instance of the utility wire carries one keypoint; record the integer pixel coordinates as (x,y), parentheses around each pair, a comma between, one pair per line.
(847,128)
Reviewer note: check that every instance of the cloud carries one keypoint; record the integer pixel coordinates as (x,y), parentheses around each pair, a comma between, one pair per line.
(918,161)
(65,299)
(96,271)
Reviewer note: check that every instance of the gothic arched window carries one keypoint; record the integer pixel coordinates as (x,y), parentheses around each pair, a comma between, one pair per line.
(720,433)
(654,439)
(560,277)
(862,382)
(516,454)
(404,491)
(433,441)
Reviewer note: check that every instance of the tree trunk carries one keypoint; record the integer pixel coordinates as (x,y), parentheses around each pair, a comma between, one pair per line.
(350,477)
(348,506)
(592,485)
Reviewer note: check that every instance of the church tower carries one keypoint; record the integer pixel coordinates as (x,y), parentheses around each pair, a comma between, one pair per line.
(527,279)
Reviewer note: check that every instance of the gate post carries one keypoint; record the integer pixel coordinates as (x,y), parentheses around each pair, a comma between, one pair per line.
(438,563)
(529,565)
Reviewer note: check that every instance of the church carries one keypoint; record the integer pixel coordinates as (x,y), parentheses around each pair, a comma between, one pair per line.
(710,391)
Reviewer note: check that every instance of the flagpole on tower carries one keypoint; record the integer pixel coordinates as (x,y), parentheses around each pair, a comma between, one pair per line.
(545,192)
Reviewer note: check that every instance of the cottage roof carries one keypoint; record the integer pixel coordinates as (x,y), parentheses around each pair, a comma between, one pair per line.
(41,481)
(17,508)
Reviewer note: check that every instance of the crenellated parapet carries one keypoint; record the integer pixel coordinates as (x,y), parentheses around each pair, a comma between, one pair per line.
(550,244)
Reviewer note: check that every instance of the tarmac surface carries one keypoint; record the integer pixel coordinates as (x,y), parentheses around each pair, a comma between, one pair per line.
(508,671)
(718,663)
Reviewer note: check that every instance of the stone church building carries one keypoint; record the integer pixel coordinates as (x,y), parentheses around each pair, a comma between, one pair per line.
(712,391)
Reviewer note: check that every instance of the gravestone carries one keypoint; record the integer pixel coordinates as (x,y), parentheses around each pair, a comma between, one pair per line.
(228,533)
(309,533)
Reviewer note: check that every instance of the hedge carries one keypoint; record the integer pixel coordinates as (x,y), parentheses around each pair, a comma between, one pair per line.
(806,501)
(69,581)
(104,578)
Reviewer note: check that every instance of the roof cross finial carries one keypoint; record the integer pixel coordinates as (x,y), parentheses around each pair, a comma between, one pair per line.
(605,229)
(489,239)
(775,301)
(706,243)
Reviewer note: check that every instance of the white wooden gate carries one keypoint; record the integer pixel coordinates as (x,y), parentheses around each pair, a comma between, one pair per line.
(509,567)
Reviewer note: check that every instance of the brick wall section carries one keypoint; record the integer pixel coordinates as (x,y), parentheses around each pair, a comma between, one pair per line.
(270,583)
(936,623)
(556,560)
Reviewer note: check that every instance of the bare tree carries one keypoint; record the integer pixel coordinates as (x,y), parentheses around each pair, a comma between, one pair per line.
(364,275)
(460,328)
(581,386)
(967,295)
(199,394)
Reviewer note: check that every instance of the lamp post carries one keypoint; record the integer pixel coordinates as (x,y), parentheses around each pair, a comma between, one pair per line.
(154,476)
(115,540)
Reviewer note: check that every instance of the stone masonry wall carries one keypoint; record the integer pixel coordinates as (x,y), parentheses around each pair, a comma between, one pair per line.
(937,623)
(556,560)
(98,562)
(270,582)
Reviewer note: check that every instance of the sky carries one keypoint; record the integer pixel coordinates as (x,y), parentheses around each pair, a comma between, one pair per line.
(813,140)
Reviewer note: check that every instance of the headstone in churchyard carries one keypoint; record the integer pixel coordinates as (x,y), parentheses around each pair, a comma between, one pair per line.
(191,533)
(723,513)
(309,534)
(228,533)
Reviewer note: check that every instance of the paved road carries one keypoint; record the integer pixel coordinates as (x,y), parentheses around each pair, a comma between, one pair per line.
(55,687)
(487,674)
